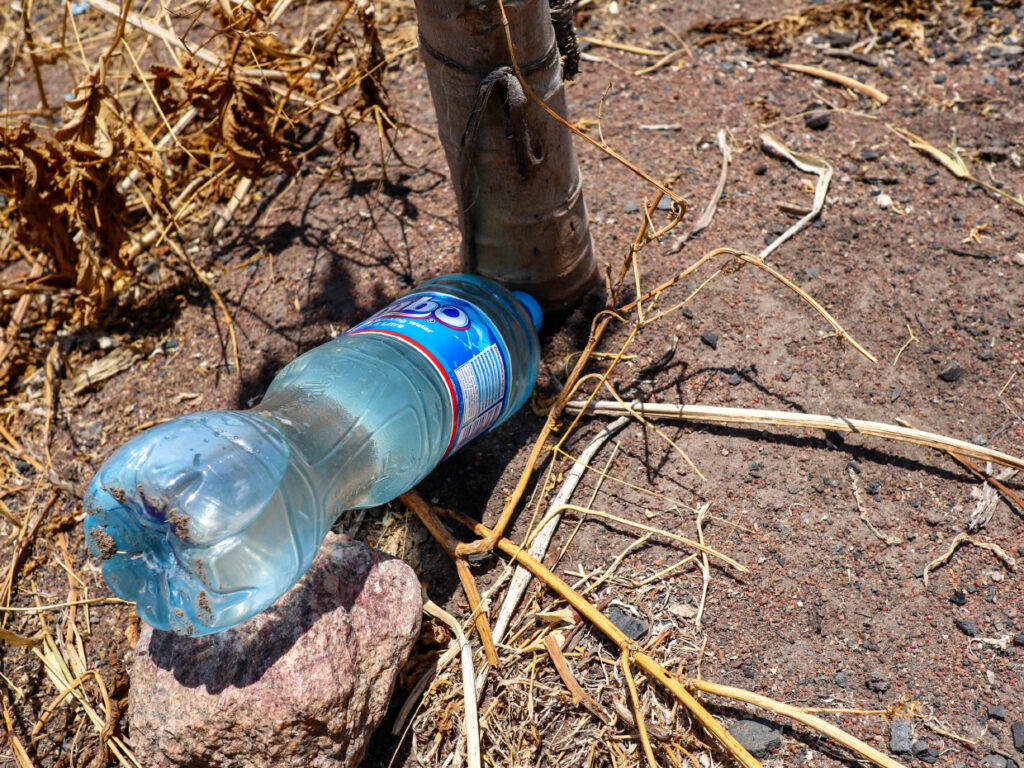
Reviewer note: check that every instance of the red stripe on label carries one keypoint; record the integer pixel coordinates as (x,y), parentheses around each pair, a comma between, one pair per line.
(440,369)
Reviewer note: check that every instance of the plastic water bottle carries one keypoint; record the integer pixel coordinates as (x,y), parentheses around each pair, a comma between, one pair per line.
(207,519)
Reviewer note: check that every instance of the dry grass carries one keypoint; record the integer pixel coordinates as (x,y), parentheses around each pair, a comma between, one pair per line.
(168,114)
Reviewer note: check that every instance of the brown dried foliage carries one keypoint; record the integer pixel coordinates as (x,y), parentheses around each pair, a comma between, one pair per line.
(73,227)
(236,112)
(64,201)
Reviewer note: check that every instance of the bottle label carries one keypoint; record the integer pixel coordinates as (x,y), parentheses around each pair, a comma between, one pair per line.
(464,348)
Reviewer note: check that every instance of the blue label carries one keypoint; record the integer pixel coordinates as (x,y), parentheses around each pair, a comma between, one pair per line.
(460,342)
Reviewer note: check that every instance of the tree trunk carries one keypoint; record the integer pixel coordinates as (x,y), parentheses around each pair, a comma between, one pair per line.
(517,182)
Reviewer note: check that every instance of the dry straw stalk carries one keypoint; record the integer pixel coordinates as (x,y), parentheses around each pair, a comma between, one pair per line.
(712,414)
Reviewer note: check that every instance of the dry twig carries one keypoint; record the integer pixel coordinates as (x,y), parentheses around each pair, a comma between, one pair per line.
(710,414)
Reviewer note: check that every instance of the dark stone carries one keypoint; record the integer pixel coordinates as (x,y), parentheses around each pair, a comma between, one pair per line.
(900,736)
(952,372)
(968,626)
(939,78)
(735,380)
(874,486)
(958,597)
(757,737)
(710,338)
(851,464)
(842,679)
(761,170)
(687,313)
(633,627)
(816,117)
(877,682)
(1017,731)
(869,155)
(996,711)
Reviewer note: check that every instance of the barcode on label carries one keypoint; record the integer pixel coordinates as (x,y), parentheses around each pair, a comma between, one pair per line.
(482,381)
(471,430)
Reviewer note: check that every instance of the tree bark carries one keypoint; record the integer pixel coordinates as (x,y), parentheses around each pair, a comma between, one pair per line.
(517,183)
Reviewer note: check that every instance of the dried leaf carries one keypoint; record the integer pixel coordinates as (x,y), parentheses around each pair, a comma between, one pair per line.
(20,641)
(954,163)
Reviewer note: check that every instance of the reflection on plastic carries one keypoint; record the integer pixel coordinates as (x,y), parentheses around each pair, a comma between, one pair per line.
(207,519)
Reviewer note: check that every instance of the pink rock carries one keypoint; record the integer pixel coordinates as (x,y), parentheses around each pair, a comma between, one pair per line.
(304,683)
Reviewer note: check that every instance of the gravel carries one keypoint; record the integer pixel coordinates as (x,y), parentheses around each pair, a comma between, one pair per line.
(1017,731)
(757,737)
(968,626)
(952,372)
(633,627)
(900,737)
(877,682)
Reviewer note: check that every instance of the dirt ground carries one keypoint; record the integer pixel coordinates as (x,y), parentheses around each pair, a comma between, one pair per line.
(915,263)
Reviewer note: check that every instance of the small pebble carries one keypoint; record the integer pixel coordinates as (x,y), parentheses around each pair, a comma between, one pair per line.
(631,208)
(939,78)
(992,761)
(1017,730)
(996,711)
(968,626)
(842,679)
(758,738)
(874,486)
(900,737)
(735,380)
(952,372)
(877,682)
(687,312)
(665,204)
(710,338)
(958,597)
(884,201)
(817,117)
(869,155)
(786,375)
(633,627)
(761,170)
(851,464)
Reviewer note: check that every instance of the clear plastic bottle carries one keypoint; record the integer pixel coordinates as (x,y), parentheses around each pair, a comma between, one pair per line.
(207,519)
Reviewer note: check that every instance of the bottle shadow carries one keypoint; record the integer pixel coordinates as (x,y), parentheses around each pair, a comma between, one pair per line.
(241,656)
